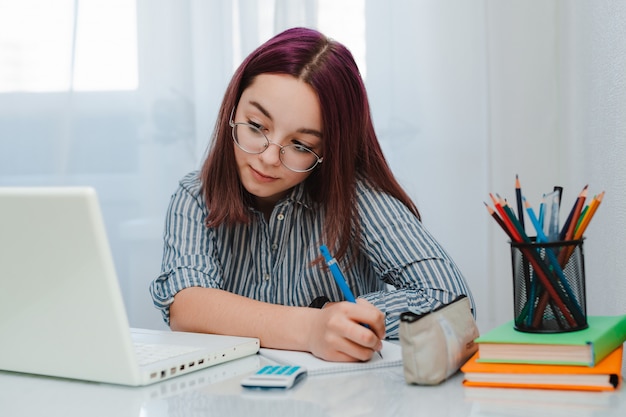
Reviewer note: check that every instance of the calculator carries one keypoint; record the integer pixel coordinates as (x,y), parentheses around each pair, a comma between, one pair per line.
(275,376)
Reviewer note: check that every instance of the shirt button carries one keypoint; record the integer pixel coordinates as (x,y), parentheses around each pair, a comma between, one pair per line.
(274,246)
(266,277)
(281,217)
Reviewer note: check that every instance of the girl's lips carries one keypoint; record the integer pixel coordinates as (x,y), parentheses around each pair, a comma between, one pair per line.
(261,177)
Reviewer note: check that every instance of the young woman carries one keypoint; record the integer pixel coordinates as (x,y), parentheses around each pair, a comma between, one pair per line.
(295,164)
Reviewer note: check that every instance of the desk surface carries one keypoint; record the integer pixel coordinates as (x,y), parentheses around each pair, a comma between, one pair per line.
(216,391)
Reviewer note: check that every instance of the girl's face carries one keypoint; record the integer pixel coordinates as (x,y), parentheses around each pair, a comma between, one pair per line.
(287,111)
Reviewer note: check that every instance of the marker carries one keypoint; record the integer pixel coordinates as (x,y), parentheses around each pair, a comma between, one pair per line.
(339,279)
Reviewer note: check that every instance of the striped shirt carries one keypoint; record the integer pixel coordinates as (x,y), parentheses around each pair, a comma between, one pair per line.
(271,260)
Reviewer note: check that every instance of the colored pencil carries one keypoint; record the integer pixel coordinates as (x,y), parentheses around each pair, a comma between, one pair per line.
(505,218)
(581,217)
(542,210)
(575,213)
(569,234)
(498,220)
(514,220)
(593,206)
(582,226)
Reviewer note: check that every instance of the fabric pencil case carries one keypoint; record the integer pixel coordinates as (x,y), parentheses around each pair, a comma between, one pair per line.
(436,344)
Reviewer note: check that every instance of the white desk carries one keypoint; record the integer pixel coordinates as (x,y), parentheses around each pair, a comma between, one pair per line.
(216,392)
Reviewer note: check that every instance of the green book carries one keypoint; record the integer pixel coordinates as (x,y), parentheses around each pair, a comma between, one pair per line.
(585,347)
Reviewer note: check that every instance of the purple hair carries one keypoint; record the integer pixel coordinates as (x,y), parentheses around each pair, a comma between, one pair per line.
(350,146)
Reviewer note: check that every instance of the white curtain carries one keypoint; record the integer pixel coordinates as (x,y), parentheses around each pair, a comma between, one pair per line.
(122,95)
(464,96)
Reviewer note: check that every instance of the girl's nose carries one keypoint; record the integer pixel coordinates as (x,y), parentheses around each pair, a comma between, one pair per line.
(271,155)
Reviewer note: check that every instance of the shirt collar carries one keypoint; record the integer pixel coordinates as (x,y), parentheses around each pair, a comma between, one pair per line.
(297,195)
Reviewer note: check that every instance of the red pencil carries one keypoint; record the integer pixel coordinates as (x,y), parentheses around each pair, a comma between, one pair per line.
(569,235)
(515,236)
(578,208)
(493,214)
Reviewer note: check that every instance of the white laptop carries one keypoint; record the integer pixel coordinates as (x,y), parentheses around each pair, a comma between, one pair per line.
(61,309)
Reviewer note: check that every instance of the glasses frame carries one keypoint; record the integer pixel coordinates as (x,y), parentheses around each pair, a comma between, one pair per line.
(234,124)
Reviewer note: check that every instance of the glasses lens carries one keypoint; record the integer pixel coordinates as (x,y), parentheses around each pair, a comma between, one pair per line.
(298,158)
(249,138)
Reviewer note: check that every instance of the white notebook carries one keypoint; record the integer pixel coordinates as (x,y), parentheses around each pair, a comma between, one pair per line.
(391,356)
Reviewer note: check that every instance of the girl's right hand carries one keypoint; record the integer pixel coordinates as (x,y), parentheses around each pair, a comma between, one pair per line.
(338,332)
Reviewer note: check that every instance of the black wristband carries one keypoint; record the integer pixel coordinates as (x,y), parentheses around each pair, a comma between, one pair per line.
(319,302)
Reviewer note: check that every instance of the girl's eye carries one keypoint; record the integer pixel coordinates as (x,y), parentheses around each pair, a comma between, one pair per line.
(257,125)
(301,147)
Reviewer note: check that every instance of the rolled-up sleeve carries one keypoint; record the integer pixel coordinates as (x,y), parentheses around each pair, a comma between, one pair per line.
(188,250)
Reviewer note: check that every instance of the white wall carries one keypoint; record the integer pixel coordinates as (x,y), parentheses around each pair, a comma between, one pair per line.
(468,94)
(426,78)
(523,72)
(594,128)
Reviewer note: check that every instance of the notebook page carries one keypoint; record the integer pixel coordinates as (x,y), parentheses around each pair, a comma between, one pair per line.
(391,352)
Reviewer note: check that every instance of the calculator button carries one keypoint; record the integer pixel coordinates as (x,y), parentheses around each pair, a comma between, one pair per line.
(292,370)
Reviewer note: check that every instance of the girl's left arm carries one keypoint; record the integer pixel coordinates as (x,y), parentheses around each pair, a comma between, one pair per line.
(405,255)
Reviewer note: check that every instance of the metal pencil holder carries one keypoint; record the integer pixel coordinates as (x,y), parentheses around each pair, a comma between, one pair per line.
(549,286)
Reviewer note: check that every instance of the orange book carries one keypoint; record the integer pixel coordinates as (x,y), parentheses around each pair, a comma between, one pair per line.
(605,376)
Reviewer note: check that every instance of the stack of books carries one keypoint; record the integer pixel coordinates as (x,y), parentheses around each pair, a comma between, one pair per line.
(589,359)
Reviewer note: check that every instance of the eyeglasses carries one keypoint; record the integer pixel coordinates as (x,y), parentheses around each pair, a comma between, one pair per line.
(250,139)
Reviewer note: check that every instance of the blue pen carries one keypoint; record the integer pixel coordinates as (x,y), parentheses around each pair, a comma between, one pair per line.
(339,278)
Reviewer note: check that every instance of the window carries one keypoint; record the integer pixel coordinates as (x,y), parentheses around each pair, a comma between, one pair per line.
(260,20)
(345,21)
(62,45)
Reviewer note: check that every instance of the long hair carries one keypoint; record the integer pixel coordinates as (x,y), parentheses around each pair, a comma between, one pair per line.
(350,147)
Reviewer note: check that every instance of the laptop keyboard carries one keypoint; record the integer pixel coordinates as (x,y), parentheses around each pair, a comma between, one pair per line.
(149,353)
